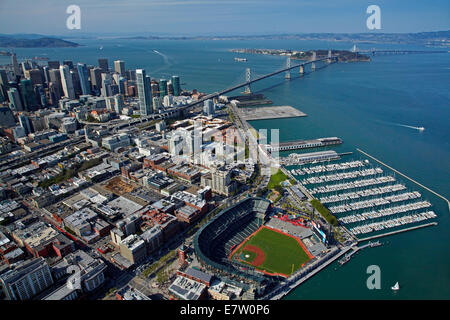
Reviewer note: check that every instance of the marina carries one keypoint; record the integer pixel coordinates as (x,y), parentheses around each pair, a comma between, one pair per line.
(361,195)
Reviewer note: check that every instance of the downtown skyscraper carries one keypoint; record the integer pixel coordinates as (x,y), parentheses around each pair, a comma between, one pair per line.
(84,78)
(66,81)
(144,92)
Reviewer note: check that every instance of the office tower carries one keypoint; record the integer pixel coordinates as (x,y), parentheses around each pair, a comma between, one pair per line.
(15,65)
(25,66)
(107,82)
(14,99)
(46,75)
(157,103)
(103,64)
(96,80)
(168,101)
(176,85)
(4,83)
(26,280)
(84,78)
(40,95)
(25,123)
(76,82)
(68,63)
(55,79)
(118,103)
(35,76)
(28,95)
(67,82)
(155,89)
(144,92)
(122,85)
(162,88)
(208,107)
(119,67)
(53,64)
(131,75)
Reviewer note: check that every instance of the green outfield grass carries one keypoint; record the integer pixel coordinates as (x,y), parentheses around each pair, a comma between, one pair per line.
(281,251)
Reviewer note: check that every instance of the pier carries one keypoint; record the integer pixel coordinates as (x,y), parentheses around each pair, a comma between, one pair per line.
(405,176)
(348,256)
(398,231)
(304,144)
(274,112)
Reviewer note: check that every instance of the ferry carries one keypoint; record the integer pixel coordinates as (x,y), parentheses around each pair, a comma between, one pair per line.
(240,59)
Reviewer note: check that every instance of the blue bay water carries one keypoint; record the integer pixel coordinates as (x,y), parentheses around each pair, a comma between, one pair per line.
(364,103)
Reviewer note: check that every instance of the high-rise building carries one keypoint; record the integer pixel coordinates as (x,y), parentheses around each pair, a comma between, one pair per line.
(15,65)
(157,103)
(67,82)
(4,83)
(131,75)
(53,64)
(103,64)
(176,85)
(118,103)
(26,280)
(25,123)
(28,95)
(144,92)
(35,76)
(14,99)
(162,88)
(208,107)
(96,79)
(84,78)
(122,85)
(119,67)
(68,63)
(55,80)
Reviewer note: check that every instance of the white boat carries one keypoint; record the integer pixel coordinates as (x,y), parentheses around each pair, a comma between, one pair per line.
(420,128)
(396,286)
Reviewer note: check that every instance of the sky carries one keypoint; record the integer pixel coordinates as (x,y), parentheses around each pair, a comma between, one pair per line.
(221,17)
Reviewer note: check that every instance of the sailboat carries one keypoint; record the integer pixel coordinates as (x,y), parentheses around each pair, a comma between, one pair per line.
(396,286)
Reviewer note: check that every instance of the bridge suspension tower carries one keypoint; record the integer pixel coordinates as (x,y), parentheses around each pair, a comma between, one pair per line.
(288,65)
(313,64)
(248,78)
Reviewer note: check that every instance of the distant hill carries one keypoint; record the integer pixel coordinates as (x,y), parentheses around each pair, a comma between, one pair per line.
(34,42)
(435,38)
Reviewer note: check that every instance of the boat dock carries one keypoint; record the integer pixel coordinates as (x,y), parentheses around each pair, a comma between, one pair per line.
(304,144)
(355,249)
(398,231)
(405,176)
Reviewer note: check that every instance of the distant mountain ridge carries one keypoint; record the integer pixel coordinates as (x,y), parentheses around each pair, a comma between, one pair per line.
(440,38)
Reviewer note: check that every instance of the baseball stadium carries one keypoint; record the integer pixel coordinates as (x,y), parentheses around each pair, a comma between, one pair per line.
(244,244)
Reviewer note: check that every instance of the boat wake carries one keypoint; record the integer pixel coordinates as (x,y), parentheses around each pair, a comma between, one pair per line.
(166,59)
(411,127)
(403,125)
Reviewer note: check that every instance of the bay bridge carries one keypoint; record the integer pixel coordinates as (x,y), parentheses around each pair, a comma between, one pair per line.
(248,81)
(329,59)
(374,51)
